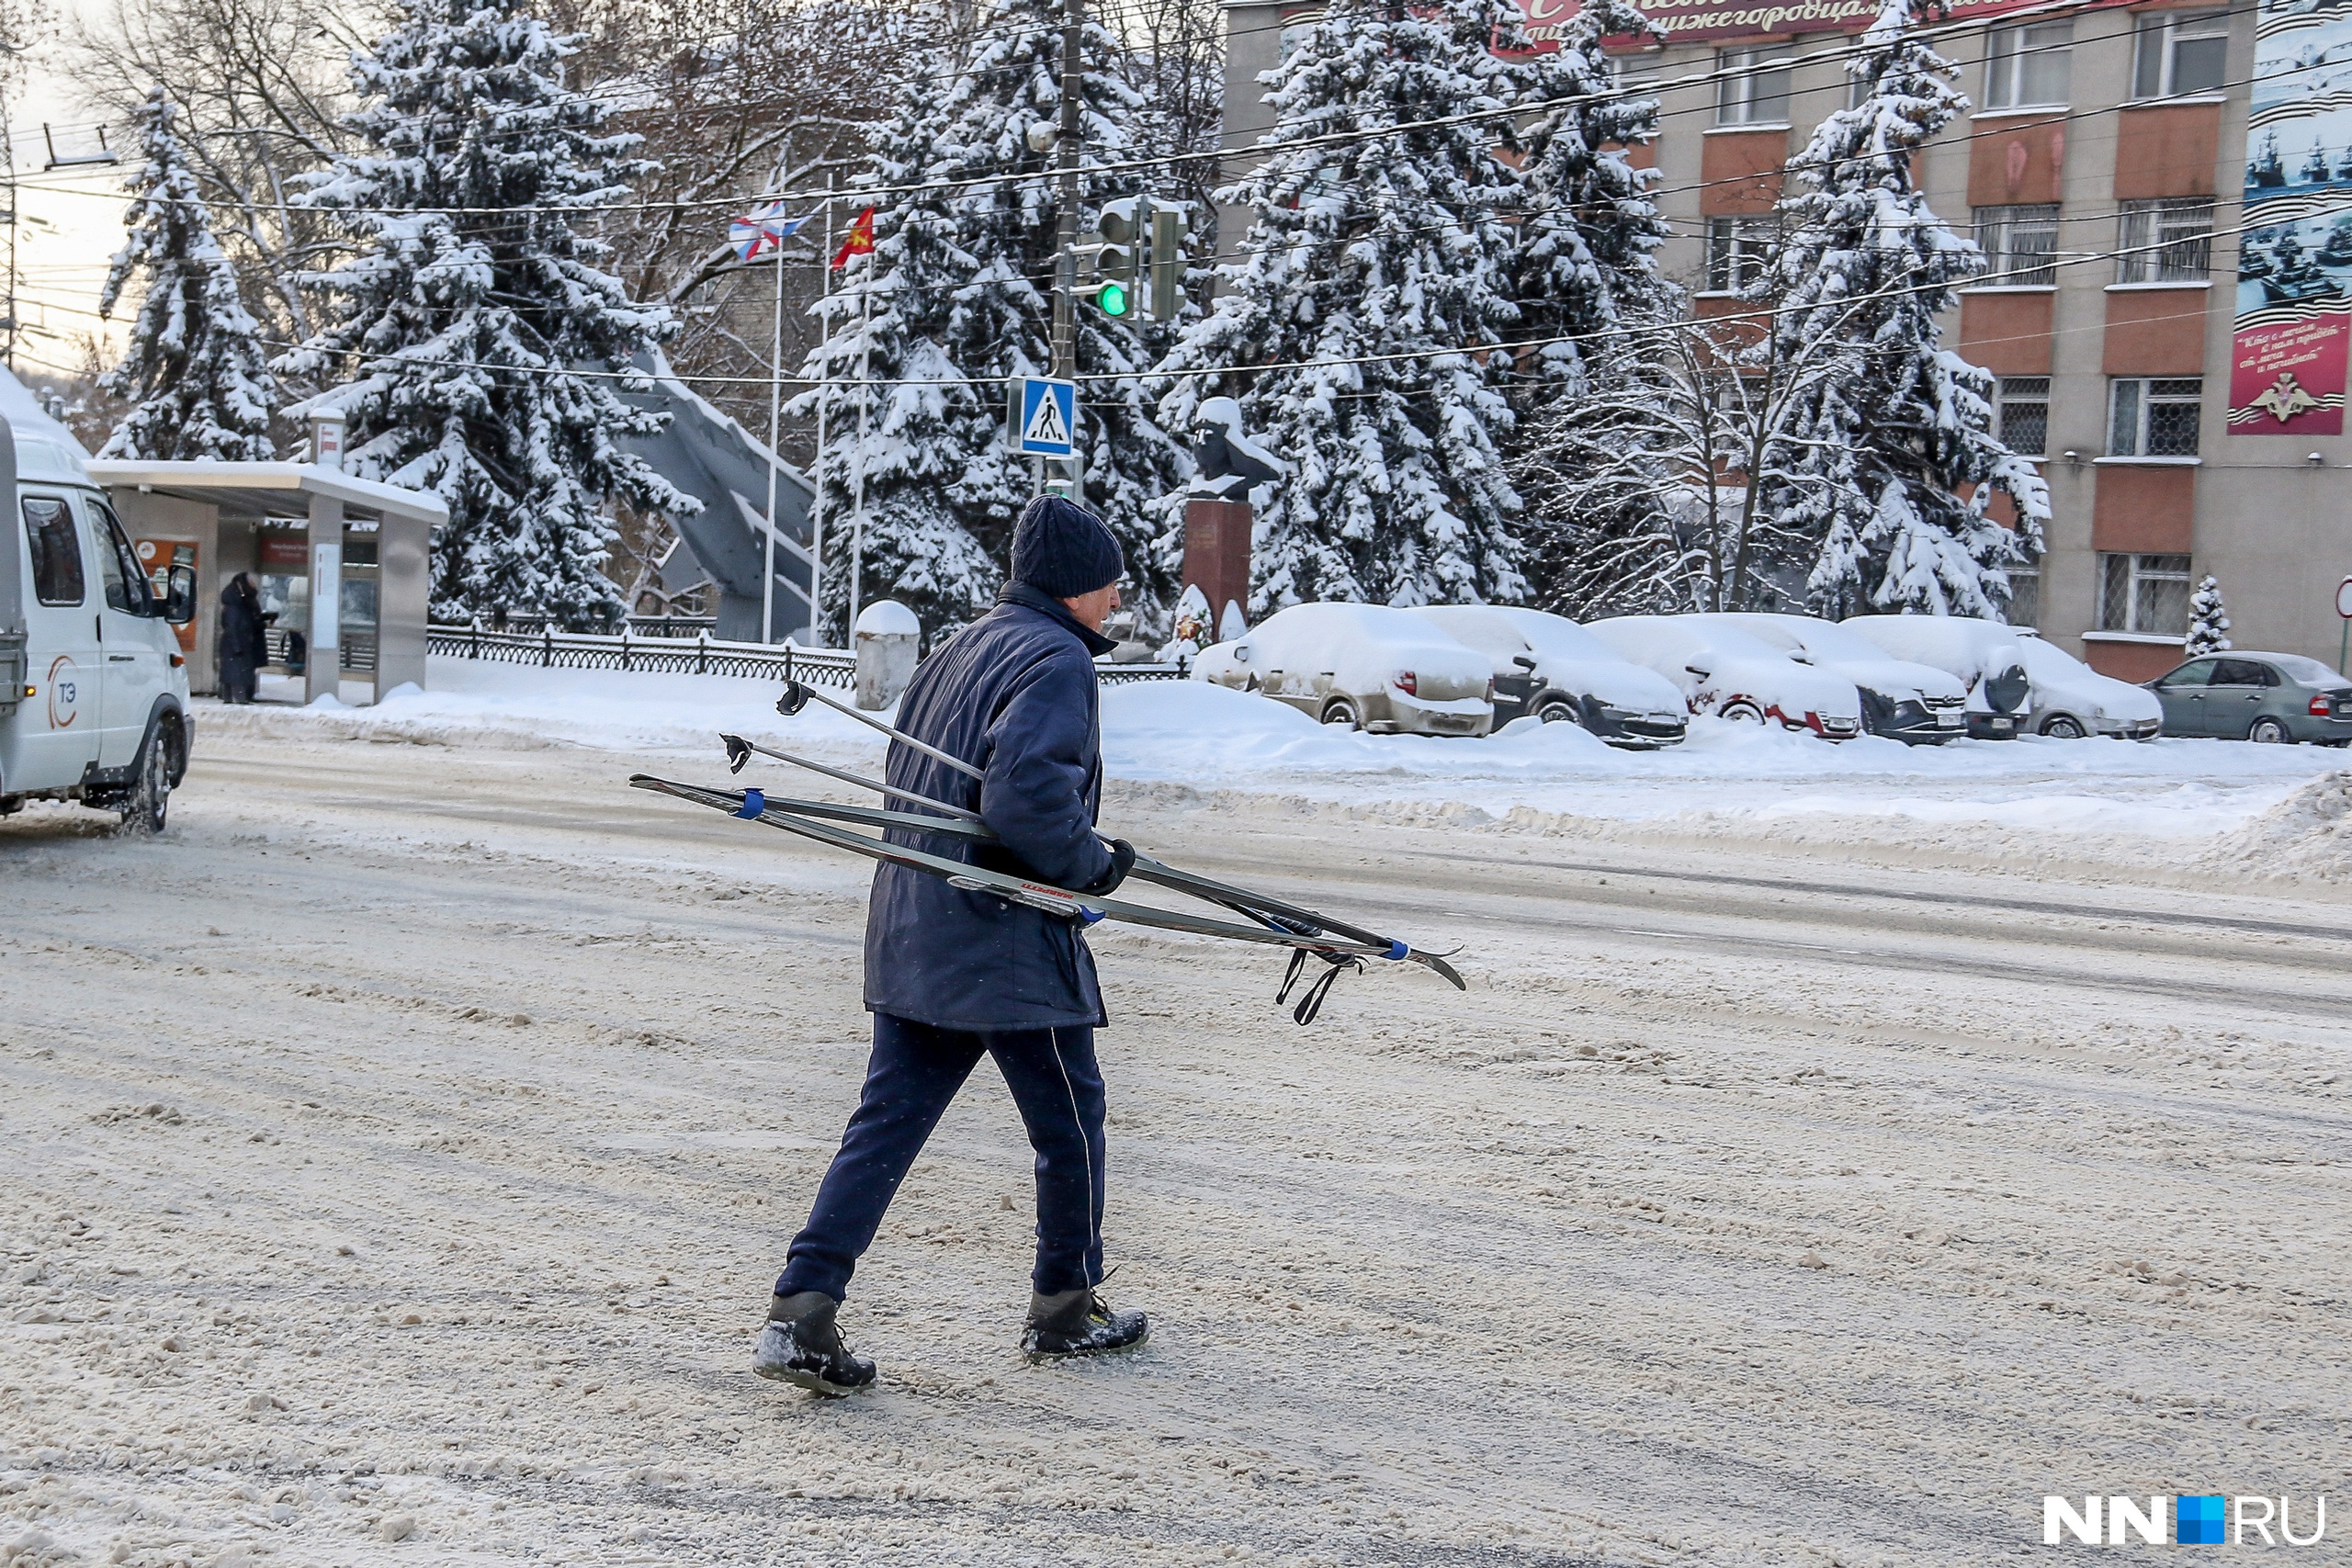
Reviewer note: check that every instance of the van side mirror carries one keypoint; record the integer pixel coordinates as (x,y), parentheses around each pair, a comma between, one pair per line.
(1696,671)
(1523,662)
(179,600)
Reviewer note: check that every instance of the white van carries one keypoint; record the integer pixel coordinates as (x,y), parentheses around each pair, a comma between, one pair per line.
(93,684)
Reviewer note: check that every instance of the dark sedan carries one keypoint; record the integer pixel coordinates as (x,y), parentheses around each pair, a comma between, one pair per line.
(2275,697)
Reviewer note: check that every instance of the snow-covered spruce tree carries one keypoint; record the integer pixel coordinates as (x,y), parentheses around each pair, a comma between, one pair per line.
(477,334)
(955,298)
(194,367)
(2209,620)
(1382,265)
(1877,458)
(1589,233)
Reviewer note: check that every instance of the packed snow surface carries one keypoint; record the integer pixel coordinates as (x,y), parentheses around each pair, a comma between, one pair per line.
(1204,737)
(402,1148)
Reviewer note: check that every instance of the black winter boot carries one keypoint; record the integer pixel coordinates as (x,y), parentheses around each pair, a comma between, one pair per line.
(1079,1322)
(801,1345)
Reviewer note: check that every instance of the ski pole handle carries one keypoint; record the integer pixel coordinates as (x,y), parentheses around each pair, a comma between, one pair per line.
(796,697)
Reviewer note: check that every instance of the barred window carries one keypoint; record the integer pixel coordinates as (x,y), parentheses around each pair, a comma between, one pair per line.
(2153,417)
(2021,414)
(2165,241)
(2020,243)
(2143,593)
(1737,249)
(2025,595)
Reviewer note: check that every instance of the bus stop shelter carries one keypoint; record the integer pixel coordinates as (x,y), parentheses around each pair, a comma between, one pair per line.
(343,560)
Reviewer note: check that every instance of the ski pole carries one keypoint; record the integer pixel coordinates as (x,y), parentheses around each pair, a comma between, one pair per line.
(740,750)
(796,697)
(1275,913)
(1086,908)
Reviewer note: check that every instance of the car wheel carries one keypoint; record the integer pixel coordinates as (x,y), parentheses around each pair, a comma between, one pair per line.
(2269,731)
(1743,712)
(2063,727)
(1341,711)
(149,806)
(1556,709)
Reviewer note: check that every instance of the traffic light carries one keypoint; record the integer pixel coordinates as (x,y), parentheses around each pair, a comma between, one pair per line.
(1167,234)
(1118,260)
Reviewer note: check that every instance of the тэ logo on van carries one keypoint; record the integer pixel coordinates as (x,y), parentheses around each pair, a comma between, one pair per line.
(2208,1520)
(64,693)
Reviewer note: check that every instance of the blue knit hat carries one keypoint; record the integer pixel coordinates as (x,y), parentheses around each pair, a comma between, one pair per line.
(1062,549)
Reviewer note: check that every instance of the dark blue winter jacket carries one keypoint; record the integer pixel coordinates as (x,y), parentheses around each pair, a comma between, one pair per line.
(1014,694)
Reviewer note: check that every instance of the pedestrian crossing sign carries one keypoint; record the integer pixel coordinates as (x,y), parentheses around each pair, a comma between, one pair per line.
(1044,414)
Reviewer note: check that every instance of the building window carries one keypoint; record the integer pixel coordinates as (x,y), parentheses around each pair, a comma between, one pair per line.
(2025,595)
(2028,64)
(2143,593)
(1737,249)
(1752,86)
(2165,241)
(2021,414)
(2153,418)
(2021,243)
(2181,52)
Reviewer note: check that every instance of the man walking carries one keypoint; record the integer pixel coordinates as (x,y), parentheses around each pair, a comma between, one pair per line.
(952,976)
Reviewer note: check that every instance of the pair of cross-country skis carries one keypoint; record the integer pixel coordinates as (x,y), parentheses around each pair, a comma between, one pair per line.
(1270,920)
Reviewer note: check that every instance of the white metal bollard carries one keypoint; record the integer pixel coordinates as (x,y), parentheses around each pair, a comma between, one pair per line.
(889,640)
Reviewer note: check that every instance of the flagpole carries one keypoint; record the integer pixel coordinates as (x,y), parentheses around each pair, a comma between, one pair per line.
(817,469)
(776,415)
(858,505)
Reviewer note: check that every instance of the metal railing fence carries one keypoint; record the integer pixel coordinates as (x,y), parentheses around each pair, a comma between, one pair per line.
(700,655)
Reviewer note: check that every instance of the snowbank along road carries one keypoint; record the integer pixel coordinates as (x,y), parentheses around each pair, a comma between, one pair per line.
(401,1150)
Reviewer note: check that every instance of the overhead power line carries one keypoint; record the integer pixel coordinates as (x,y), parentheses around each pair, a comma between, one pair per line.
(1762,314)
(1531,109)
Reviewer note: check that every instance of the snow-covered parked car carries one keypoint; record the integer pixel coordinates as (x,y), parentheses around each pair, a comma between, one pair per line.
(1902,700)
(1983,654)
(1365,666)
(1550,667)
(1723,670)
(2071,699)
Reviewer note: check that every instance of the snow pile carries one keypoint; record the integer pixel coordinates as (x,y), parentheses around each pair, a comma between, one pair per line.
(1191,740)
(513,707)
(2305,837)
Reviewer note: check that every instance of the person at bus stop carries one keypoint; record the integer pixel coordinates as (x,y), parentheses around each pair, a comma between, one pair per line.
(242,648)
(953,976)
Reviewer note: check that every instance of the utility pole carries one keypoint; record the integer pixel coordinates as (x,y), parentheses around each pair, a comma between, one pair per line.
(1065,228)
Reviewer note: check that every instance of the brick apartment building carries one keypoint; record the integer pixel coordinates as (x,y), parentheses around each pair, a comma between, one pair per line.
(2095,130)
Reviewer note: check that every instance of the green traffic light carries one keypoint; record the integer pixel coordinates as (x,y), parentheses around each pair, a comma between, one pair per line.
(1114,300)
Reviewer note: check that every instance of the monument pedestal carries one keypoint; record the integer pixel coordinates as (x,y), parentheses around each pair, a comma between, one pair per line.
(1216,553)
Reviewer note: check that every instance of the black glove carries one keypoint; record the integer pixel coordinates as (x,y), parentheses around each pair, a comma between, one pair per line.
(1122,860)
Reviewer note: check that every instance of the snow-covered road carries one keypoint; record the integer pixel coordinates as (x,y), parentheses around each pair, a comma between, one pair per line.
(403,1148)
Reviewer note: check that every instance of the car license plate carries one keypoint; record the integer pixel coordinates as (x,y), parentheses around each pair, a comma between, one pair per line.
(2003,723)
(1950,718)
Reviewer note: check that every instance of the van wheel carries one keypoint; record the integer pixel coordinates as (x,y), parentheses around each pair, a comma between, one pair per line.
(1556,709)
(2063,727)
(149,806)
(1743,712)
(1342,712)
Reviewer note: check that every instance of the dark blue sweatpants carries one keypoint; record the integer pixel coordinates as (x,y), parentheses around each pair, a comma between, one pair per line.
(915,1071)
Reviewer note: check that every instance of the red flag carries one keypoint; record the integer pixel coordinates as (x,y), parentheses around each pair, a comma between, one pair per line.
(860,242)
